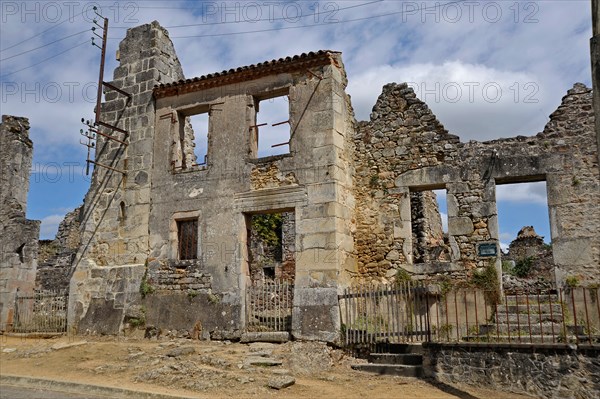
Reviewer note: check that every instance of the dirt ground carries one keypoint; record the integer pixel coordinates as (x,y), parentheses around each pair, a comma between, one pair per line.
(206,369)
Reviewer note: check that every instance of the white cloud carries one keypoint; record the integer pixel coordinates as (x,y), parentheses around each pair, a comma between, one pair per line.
(523,192)
(550,50)
(49,226)
(472,100)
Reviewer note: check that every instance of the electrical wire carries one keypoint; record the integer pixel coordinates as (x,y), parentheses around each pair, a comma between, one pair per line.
(245,32)
(316,25)
(41,33)
(45,45)
(47,59)
(254,20)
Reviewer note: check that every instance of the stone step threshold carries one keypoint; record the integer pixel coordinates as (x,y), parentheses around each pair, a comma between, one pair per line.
(390,369)
(407,359)
(277,337)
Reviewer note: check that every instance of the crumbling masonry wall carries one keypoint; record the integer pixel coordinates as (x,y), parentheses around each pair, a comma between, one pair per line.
(129,264)
(18,235)
(403,148)
(313,182)
(110,263)
(55,259)
(359,193)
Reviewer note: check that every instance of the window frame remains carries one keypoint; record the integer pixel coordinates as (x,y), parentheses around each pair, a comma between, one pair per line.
(187,239)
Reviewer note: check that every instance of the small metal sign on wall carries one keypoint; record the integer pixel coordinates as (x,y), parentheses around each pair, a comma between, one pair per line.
(487,249)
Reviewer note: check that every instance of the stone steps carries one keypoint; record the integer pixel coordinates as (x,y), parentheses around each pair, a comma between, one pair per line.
(390,369)
(533,318)
(531,298)
(546,328)
(554,308)
(404,360)
(407,359)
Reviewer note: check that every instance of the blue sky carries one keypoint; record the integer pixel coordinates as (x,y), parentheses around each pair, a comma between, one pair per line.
(488,69)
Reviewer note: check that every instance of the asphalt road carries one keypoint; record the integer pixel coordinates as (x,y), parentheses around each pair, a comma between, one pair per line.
(12,392)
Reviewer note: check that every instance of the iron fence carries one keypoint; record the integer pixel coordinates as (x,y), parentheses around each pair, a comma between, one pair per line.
(269,306)
(385,313)
(417,312)
(42,311)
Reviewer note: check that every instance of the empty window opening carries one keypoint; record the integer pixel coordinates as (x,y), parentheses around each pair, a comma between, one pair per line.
(122,213)
(524,229)
(429,224)
(19,252)
(271,246)
(187,239)
(199,124)
(273,127)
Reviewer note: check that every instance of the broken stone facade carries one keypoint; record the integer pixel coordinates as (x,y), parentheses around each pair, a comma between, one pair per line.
(18,235)
(130,259)
(404,149)
(56,256)
(166,242)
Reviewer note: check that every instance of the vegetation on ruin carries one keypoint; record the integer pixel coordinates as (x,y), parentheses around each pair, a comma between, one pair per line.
(145,287)
(267,227)
(572,281)
(487,280)
(523,267)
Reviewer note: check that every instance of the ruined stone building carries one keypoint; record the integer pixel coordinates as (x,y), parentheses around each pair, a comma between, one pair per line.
(18,235)
(170,241)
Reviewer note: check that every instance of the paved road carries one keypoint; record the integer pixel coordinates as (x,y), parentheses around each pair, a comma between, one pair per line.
(11,392)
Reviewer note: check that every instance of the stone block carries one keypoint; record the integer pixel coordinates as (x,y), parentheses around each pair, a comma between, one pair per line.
(459,226)
(322,193)
(315,315)
(574,252)
(452,205)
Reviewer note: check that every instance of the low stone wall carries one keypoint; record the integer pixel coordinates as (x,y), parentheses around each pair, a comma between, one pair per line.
(543,370)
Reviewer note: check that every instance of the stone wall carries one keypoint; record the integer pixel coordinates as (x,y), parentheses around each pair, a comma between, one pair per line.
(544,371)
(404,149)
(56,256)
(115,240)
(360,194)
(313,182)
(402,136)
(18,235)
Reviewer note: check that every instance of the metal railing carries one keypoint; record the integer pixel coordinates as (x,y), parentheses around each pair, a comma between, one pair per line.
(417,312)
(385,313)
(42,311)
(269,306)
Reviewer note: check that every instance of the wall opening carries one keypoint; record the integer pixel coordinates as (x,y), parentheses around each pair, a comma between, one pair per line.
(429,226)
(524,229)
(272,125)
(271,246)
(200,128)
(187,239)
(122,213)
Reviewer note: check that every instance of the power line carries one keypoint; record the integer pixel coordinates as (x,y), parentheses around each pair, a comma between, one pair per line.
(47,59)
(252,21)
(315,25)
(41,33)
(247,32)
(45,45)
